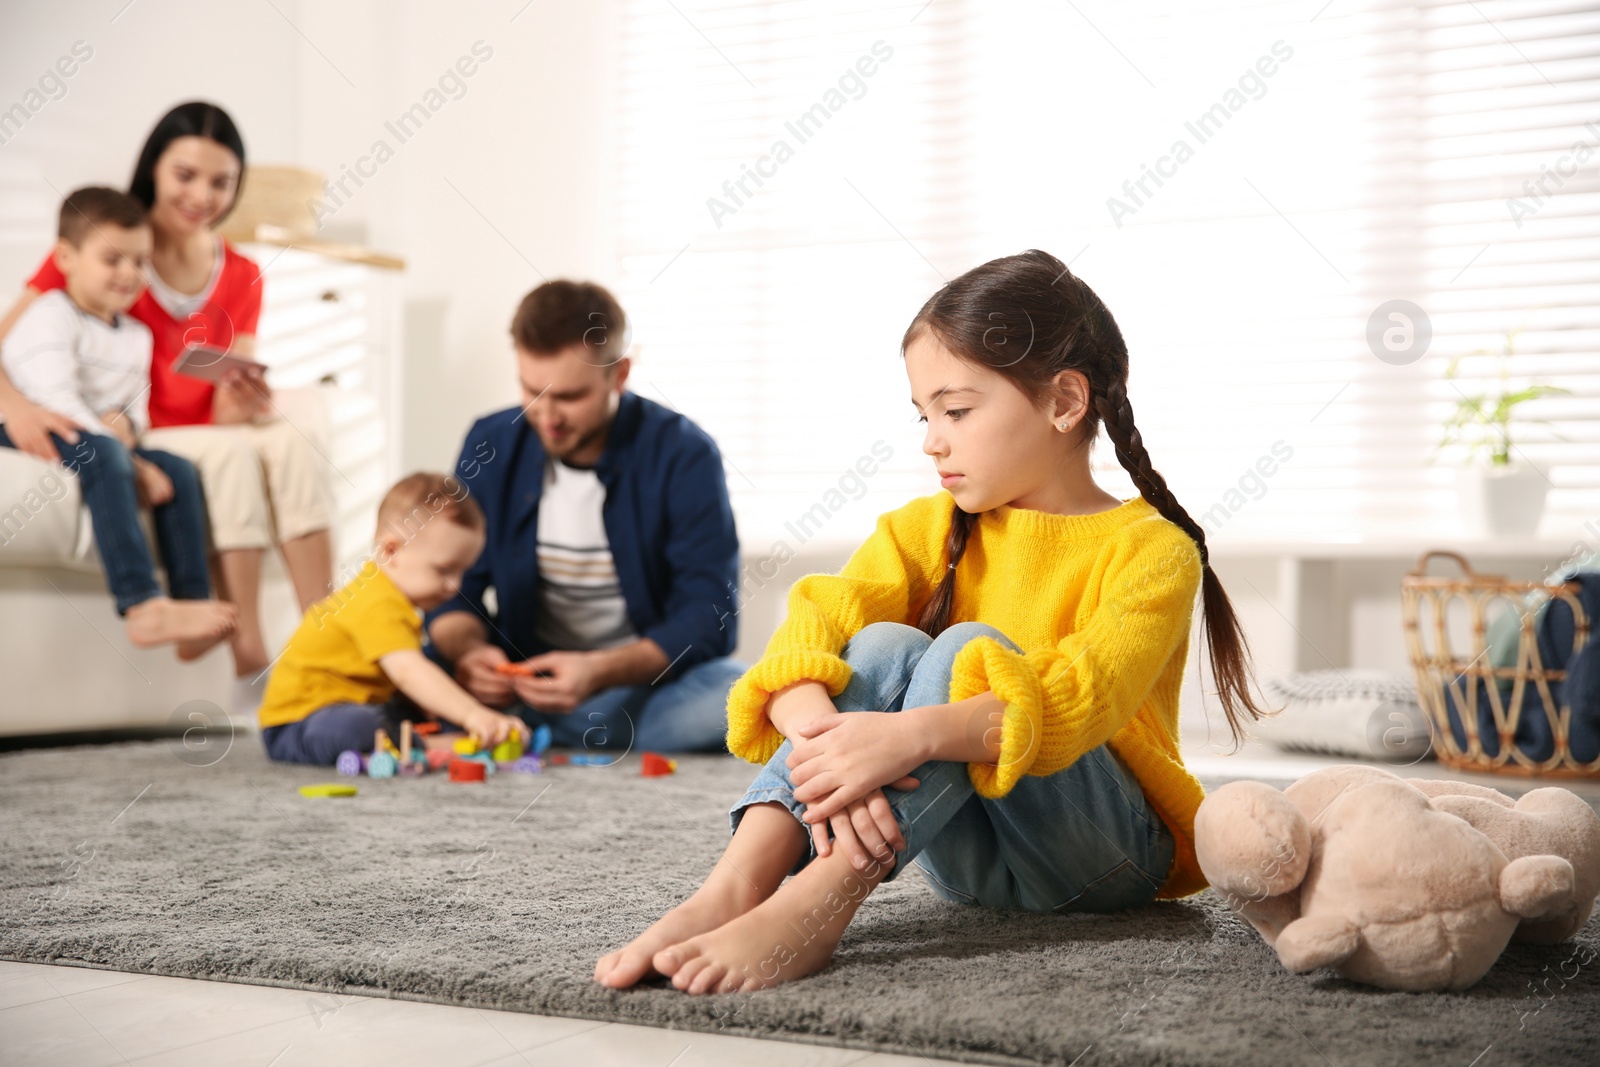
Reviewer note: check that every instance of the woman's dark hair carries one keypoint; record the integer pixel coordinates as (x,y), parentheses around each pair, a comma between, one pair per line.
(1029,318)
(194,119)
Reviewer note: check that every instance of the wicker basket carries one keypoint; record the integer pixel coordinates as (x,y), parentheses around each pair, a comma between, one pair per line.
(1440,670)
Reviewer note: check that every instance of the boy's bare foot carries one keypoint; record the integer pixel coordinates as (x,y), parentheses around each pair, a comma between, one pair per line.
(193,625)
(791,934)
(708,908)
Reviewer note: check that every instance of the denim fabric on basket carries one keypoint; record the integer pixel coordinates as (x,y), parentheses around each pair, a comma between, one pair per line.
(1554,631)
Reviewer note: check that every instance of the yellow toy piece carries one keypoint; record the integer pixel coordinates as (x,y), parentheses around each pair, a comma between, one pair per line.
(466,746)
(328,789)
(510,750)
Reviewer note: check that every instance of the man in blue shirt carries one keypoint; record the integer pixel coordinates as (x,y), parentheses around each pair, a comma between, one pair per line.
(605,603)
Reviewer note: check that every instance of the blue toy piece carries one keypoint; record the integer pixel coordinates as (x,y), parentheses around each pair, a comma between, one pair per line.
(484,758)
(591,759)
(541,739)
(350,763)
(382,765)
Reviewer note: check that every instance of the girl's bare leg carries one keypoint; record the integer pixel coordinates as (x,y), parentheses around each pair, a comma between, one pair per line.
(763,850)
(789,935)
(309,561)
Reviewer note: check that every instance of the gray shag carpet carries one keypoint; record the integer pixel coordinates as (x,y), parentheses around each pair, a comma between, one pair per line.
(150,858)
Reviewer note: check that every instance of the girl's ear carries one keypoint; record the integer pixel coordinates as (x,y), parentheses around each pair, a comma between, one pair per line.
(1071,395)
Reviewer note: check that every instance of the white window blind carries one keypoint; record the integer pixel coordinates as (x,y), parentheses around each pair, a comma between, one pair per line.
(1333,158)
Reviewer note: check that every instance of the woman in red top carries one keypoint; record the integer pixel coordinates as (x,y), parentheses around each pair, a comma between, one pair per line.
(263,479)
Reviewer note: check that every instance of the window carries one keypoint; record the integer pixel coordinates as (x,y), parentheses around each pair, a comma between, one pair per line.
(780,215)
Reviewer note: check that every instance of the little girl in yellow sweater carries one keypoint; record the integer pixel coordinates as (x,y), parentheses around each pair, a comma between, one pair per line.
(990,685)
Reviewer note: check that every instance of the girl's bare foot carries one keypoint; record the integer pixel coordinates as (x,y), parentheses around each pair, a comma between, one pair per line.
(190,624)
(766,847)
(708,908)
(790,935)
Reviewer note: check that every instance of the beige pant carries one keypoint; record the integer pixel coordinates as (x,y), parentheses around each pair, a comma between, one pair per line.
(263,481)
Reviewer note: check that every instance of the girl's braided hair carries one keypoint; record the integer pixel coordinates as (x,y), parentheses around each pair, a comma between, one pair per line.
(1028,318)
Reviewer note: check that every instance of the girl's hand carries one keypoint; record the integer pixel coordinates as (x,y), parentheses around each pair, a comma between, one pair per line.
(841,758)
(865,829)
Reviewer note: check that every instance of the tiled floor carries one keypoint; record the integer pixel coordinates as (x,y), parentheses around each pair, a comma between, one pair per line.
(72,1017)
(69,1016)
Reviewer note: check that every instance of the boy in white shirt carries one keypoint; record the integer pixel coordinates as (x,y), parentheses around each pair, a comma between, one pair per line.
(75,351)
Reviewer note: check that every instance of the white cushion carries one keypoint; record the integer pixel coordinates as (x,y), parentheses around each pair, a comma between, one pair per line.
(1364,714)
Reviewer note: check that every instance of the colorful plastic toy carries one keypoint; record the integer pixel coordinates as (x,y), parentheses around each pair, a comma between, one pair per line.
(556,759)
(590,759)
(509,750)
(465,745)
(541,739)
(520,670)
(439,758)
(351,763)
(468,770)
(484,758)
(529,764)
(328,789)
(654,765)
(382,765)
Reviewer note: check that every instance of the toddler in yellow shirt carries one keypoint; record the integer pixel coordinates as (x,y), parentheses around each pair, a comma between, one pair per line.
(989,687)
(355,652)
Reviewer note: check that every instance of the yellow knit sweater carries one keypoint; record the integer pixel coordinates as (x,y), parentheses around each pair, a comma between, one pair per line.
(1101,605)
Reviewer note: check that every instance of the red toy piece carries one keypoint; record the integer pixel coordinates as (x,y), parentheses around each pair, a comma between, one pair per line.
(467,770)
(654,765)
(439,758)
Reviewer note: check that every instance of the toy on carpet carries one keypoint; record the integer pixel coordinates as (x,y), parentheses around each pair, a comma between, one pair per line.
(654,765)
(328,789)
(1403,883)
(385,760)
(468,770)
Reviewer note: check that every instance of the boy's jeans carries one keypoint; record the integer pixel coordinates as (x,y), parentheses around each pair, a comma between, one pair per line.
(328,731)
(1082,839)
(104,468)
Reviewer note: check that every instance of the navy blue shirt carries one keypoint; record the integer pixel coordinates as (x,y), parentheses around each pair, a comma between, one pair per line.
(666,515)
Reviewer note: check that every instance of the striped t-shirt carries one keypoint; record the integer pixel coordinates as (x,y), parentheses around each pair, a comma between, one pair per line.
(581,603)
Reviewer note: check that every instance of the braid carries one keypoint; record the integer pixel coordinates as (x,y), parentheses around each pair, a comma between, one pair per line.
(935,614)
(1117,413)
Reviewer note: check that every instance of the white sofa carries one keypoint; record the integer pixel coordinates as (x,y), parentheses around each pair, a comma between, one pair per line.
(65,661)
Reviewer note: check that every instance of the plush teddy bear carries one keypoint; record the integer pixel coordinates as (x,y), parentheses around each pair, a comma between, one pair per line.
(1401,883)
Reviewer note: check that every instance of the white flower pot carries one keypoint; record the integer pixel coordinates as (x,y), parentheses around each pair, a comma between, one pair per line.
(1502,501)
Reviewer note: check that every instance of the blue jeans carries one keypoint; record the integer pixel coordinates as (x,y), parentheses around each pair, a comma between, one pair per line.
(687,714)
(104,468)
(1081,839)
(321,736)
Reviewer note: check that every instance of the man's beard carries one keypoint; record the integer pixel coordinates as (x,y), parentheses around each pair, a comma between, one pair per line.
(580,443)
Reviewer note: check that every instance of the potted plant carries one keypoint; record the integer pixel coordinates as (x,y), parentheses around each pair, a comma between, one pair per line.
(1502,492)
